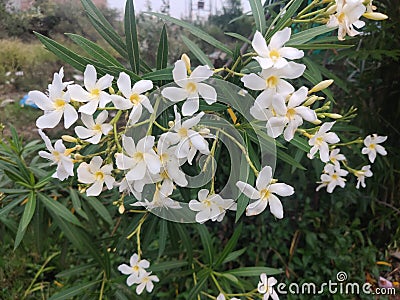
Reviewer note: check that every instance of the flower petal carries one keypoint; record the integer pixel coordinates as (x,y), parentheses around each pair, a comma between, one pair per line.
(275,206)
(260,45)
(254,82)
(280,38)
(95,189)
(124,84)
(190,106)
(207,92)
(264,178)
(49,120)
(90,77)
(281,189)
(174,94)
(201,73)
(248,190)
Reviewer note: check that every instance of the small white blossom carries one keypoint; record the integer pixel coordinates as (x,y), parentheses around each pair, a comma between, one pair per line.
(59,155)
(348,13)
(133,97)
(188,140)
(190,87)
(136,270)
(264,194)
(273,80)
(222,297)
(320,140)
(372,146)
(335,157)
(288,118)
(210,206)
(266,287)
(140,158)
(94,129)
(94,96)
(146,281)
(332,177)
(361,174)
(161,198)
(55,105)
(96,175)
(274,54)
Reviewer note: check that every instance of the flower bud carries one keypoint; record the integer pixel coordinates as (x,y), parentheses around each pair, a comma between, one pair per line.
(311,100)
(171,124)
(111,90)
(375,16)
(68,138)
(333,116)
(321,86)
(316,122)
(121,209)
(78,157)
(186,60)
(331,10)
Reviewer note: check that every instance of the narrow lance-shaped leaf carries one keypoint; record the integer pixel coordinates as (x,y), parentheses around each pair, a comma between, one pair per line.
(258,14)
(162,52)
(195,31)
(132,45)
(200,55)
(26,219)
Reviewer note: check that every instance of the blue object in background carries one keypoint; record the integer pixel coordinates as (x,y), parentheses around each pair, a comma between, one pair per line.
(25,101)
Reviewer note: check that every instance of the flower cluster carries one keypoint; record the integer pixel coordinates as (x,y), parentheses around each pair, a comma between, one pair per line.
(346,16)
(138,274)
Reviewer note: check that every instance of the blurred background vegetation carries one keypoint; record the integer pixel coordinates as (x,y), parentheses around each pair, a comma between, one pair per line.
(351,230)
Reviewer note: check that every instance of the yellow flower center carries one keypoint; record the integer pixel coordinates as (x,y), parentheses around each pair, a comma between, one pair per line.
(95,93)
(183,132)
(335,176)
(97,127)
(56,155)
(274,55)
(207,202)
(291,113)
(319,140)
(265,193)
(99,175)
(191,87)
(371,147)
(135,268)
(135,99)
(138,156)
(271,81)
(59,104)
(341,17)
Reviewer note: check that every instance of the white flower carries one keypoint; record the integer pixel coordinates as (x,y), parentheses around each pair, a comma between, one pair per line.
(59,155)
(190,87)
(146,282)
(372,147)
(332,177)
(94,129)
(348,13)
(93,96)
(273,79)
(133,96)
(335,157)
(96,175)
(264,194)
(320,141)
(222,297)
(139,158)
(189,141)
(274,54)
(56,105)
(210,206)
(291,116)
(361,174)
(160,198)
(266,287)
(131,187)
(136,270)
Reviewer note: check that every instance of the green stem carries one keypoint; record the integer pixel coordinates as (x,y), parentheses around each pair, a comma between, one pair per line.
(103,283)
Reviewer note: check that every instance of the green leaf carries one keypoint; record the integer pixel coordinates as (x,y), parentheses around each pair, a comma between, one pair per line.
(206,242)
(104,28)
(77,289)
(94,50)
(164,74)
(29,210)
(162,52)
(234,255)
(239,37)
(76,203)
(195,31)
(258,14)
(200,55)
(282,20)
(254,271)
(307,35)
(167,265)
(289,159)
(300,143)
(75,271)
(230,245)
(322,46)
(5,210)
(59,209)
(198,287)
(100,209)
(162,240)
(132,44)
(68,56)
(186,241)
